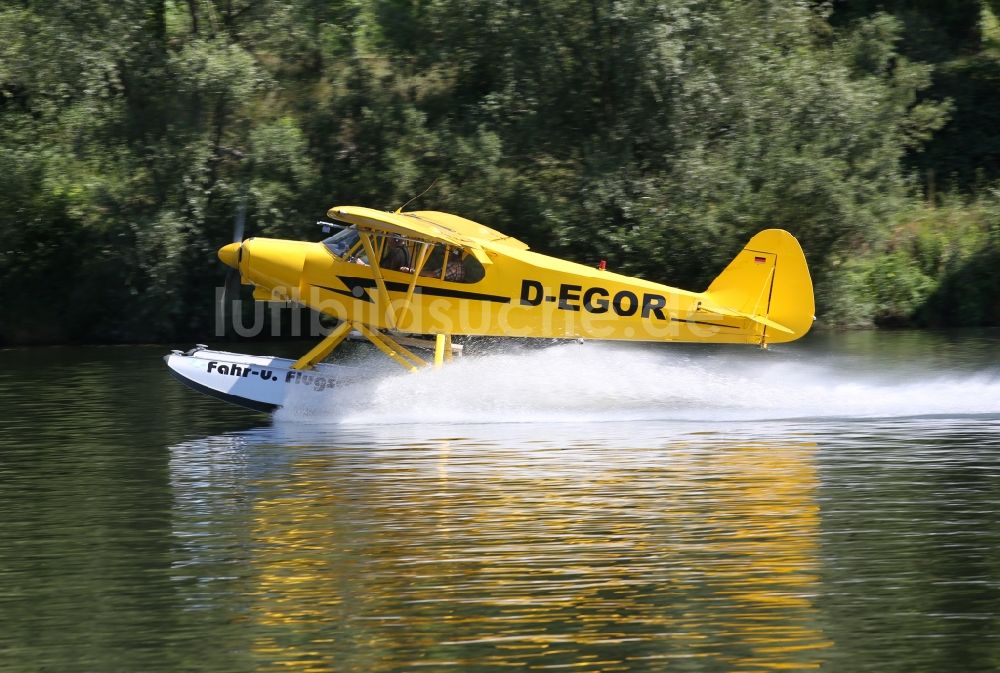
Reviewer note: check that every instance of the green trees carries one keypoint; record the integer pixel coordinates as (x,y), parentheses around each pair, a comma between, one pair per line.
(662,136)
(128,130)
(658,136)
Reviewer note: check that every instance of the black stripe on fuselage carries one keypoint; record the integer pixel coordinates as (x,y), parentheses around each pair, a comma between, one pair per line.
(702,322)
(367,283)
(347,293)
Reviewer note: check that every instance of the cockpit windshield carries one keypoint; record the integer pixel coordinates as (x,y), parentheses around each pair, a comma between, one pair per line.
(342,242)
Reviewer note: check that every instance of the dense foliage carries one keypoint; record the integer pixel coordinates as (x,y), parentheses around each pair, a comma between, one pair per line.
(658,136)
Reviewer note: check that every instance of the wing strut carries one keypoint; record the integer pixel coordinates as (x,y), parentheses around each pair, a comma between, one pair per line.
(422,256)
(383,293)
(382,340)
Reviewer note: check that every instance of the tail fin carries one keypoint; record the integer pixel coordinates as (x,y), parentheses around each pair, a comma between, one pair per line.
(767,282)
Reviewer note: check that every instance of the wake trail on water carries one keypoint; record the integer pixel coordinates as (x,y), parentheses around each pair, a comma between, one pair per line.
(597,382)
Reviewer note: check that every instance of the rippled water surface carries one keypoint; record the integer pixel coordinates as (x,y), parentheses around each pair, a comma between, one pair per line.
(831,504)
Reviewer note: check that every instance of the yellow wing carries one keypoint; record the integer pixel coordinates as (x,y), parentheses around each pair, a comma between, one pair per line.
(397,223)
(467,228)
(413,226)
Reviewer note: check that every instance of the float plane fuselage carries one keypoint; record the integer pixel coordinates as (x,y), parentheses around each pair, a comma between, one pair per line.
(438,273)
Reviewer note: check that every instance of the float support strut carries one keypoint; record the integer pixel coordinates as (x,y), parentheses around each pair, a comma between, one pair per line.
(390,347)
(439,350)
(324,347)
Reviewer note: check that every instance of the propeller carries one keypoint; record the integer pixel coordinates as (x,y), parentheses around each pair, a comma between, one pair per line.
(231,288)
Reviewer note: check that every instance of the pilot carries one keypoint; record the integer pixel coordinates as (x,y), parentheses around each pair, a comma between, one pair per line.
(395,257)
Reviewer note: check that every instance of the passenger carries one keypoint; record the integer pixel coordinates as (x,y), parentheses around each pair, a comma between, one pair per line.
(454,272)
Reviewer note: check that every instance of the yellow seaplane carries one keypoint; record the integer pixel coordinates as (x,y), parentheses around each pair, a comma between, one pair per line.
(410,281)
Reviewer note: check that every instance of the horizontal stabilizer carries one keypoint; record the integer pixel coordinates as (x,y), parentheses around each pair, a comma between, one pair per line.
(719,310)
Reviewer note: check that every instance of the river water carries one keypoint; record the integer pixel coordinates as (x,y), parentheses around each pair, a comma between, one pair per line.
(831,504)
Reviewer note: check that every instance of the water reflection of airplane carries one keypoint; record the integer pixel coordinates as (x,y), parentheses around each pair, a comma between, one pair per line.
(411,280)
(490,550)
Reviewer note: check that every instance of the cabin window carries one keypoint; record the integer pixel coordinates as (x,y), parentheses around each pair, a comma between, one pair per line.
(393,251)
(396,253)
(474,270)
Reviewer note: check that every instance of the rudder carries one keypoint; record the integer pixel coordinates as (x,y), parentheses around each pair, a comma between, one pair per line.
(768,282)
